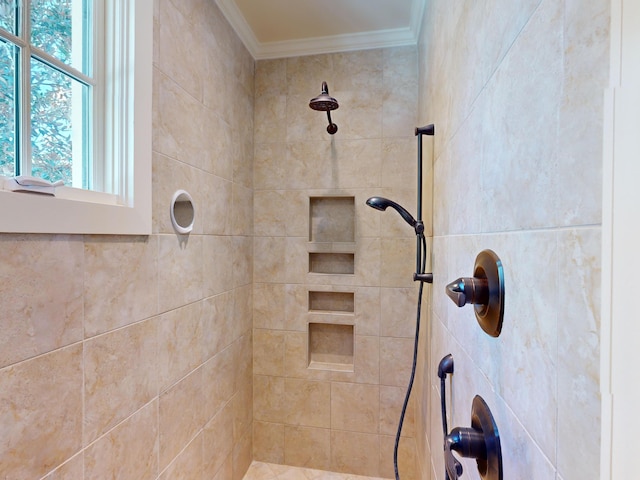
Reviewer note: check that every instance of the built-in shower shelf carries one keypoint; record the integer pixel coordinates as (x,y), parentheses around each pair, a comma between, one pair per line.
(335,367)
(331,247)
(331,347)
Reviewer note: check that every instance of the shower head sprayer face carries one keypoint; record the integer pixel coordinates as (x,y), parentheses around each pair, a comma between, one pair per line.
(381,203)
(324,102)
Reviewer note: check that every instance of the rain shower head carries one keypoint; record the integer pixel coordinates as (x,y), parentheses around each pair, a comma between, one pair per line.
(325,103)
(381,203)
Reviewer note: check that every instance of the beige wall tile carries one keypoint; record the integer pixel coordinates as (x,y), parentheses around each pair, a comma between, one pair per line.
(269,399)
(391,402)
(120,281)
(268,352)
(395,361)
(39,434)
(242,455)
(218,440)
(44,313)
(71,470)
(307,447)
(128,451)
(179,343)
(219,380)
(307,403)
(355,407)
(180,271)
(188,464)
(398,307)
(120,376)
(181,415)
(268,442)
(217,321)
(406,458)
(356,453)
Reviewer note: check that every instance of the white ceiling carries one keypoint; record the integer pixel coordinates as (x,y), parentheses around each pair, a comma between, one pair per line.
(284,28)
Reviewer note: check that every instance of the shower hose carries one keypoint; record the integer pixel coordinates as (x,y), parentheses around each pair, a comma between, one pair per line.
(415,359)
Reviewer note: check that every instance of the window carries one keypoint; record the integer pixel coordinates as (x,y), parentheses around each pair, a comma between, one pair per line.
(75,106)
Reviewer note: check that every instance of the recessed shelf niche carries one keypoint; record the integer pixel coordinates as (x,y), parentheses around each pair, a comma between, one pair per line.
(337,302)
(332,219)
(331,347)
(332,235)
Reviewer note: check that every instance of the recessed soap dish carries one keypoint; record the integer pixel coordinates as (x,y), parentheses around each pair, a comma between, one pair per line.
(182,212)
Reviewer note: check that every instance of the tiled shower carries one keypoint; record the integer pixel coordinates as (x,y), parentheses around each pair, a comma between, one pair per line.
(281,328)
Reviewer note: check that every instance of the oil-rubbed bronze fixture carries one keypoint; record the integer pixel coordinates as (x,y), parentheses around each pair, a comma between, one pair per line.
(481,441)
(485,290)
(325,103)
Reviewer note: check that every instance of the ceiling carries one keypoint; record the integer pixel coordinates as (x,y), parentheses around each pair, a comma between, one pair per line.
(285,28)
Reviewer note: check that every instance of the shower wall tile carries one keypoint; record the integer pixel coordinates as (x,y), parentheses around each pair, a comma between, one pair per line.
(395,361)
(269,305)
(538,66)
(397,307)
(407,457)
(268,352)
(308,447)
(306,74)
(217,264)
(353,452)
(362,160)
(216,198)
(123,331)
(391,401)
(179,271)
(355,407)
(219,380)
(188,464)
(120,282)
(397,262)
(130,449)
(181,415)
(533,64)
(43,313)
(70,470)
(180,59)
(218,441)
(270,166)
(120,376)
(268,441)
(307,403)
(37,433)
(218,323)
(179,343)
(579,343)
(269,399)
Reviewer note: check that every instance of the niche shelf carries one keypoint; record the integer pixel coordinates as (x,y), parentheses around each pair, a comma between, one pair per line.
(332,235)
(331,302)
(331,347)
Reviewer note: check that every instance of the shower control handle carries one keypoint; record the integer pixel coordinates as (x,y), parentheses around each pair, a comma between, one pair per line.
(468,442)
(484,290)
(465,291)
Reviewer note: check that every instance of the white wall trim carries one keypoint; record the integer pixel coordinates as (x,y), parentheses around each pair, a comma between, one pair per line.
(620,327)
(398,37)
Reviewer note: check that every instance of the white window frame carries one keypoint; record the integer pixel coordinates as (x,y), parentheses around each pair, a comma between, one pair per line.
(126,145)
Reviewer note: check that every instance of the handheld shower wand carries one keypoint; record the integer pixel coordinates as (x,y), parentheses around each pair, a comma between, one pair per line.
(381,203)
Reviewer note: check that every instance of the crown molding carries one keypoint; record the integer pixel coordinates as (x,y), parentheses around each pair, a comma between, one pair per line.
(318,45)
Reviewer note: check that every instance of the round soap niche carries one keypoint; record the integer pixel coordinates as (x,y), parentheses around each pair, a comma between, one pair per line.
(183,212)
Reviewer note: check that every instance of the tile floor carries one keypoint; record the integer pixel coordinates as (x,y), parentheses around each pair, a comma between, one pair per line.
(271,471)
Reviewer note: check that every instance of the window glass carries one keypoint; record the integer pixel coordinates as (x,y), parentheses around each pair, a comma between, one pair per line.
(8,112)
(58,120)
(60,28)
(8,16)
